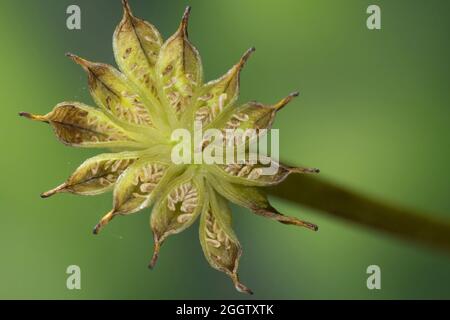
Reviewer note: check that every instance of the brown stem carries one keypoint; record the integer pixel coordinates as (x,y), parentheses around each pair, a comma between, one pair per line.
(316,193)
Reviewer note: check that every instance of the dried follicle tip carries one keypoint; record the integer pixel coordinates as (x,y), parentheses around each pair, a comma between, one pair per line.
(272,213)
(186,14)
(96,229)
(71,55)
(237,68)
(25,114)
(283,102)
(185,21)
(239,286)
(53,191)
(304,170)
(126,7)
(32,116)
(85,64)
(311,226)
(300,223)
(155,256)
(103,222)
(247,55)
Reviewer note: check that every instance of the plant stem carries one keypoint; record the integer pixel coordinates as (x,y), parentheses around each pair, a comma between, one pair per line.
(316,193)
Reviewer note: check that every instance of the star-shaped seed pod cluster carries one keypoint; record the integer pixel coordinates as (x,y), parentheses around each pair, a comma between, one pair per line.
(159,89)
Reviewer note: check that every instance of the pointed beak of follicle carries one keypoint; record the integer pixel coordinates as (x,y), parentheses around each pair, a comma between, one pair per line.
(283,102)
(33,117)
(246,56)
(54,191)
(85,64)
(304,170)
(183,29)
(156,249)
(126,7)
(237,68)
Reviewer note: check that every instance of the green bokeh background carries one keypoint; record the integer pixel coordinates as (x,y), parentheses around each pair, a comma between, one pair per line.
(373,115)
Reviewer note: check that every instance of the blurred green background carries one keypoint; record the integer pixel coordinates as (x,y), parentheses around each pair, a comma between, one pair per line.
(373,116)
